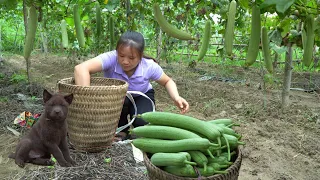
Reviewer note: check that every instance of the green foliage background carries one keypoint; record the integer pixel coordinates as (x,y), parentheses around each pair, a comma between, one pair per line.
(282,18)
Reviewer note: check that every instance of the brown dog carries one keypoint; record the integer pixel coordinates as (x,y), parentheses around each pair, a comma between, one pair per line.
(48,135)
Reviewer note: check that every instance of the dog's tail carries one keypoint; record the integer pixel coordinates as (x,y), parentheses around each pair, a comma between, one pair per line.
(12,155)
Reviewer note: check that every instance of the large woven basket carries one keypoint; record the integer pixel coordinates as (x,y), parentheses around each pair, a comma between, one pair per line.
(156,173)
(94,112)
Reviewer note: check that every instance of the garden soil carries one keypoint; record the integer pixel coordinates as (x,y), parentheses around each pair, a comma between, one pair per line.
(281,143)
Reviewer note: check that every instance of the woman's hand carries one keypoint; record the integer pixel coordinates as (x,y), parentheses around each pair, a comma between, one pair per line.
(83,71)
(171,87)
(182,104)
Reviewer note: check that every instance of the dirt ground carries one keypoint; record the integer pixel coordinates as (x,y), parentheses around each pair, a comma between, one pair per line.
(281,144)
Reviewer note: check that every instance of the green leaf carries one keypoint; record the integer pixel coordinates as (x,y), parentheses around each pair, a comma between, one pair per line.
(54,160)
(285,25)
(70,21)
(176,2)
(216,2)
(85,12)
(275,36)
(9,4)
(281,5)
(244,4)
(107,160)
(294,33)
(112,4)
(278,49)
(85,18)
(221,31)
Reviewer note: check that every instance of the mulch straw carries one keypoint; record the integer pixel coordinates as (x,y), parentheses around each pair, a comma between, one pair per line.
(93,166)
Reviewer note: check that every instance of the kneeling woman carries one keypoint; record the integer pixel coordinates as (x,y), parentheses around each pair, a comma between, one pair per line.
(129,63)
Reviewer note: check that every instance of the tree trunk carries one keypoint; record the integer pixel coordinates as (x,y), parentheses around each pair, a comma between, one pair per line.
(128,11)
(316,62)
(188,44)
(275,61)
(25,19)
(0,43)
(28,63)
(287,77)
(159,44)
(44,39)
(44,42)
(25,16)
(15,37)
(0,46)
(181,55)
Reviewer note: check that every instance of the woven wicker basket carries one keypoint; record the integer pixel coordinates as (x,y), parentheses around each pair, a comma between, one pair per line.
(94,112)
(156,173)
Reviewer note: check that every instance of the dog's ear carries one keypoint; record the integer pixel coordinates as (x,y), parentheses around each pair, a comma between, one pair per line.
(46,95)
(69,98)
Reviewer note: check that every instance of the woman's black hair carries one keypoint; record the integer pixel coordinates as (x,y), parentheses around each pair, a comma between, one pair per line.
(135,40)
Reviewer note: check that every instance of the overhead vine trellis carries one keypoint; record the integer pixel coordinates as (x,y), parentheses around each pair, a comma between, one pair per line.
(284,26)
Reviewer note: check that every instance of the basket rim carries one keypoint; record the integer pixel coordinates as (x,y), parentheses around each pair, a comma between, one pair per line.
(74,85)
(237,164)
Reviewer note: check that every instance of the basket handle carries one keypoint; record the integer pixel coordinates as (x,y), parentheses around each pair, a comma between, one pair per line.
(129,95)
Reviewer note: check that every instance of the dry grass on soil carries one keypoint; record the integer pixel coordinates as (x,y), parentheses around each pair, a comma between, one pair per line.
(122,165)
(280,143)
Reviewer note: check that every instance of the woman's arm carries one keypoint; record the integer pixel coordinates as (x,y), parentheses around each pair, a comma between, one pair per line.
(171,88)
(83,71)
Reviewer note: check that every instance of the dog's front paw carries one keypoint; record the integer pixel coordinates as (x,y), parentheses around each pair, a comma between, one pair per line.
(20,163)
(72,162)
(65,164)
